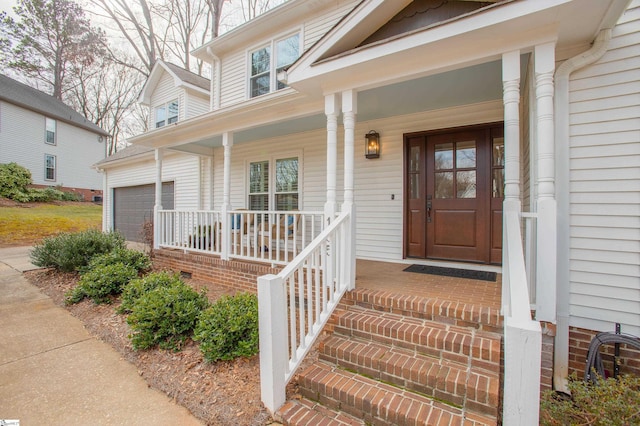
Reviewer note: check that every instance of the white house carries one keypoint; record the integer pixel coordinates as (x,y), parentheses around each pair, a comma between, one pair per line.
(505,136)
(57,144)
(173,95)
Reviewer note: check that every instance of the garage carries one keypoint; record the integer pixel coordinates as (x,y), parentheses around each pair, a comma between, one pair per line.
(133,205)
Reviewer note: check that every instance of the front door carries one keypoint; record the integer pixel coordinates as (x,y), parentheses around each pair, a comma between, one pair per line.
(454,185)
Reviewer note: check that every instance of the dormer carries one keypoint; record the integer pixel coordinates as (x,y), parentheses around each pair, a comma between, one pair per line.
(173,94)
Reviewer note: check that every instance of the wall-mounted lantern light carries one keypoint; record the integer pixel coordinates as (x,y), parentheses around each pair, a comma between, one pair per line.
(372,145)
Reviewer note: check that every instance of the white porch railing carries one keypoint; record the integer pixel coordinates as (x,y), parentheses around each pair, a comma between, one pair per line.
(522,335)
(295,305)
(276,237)
(197,230)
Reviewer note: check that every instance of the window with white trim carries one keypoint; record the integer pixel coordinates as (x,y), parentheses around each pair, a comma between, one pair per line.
(49,167)
(167,113)
(282,191)
(267,61)
(49,131)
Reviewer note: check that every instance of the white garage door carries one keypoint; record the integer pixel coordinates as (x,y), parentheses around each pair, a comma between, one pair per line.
(133,205)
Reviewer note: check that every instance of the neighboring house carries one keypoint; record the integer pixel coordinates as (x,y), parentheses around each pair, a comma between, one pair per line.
(57,144)
(493,119)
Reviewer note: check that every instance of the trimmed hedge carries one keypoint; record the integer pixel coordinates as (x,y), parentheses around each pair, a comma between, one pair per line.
(101,283)
(229,328)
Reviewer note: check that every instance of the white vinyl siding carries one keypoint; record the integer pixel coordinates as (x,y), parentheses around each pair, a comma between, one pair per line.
(196,105)
(320,25)
(182,169)
(76,150)
(605,185)
(234,79)
(380,219)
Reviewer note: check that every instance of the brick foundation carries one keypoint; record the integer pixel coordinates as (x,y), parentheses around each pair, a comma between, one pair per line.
(546,364)
(231,273)
(579,340)
(85,194)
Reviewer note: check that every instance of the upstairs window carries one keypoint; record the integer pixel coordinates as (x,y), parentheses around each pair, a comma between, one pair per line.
(49,167)
(50,131)
(167,113)
(267,61)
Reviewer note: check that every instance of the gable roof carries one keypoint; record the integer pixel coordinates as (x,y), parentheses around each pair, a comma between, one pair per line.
(181,78)
(27,97)
(343,58)
(124,154)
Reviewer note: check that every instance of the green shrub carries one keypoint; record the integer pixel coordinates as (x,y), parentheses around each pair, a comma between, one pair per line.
(135,258)
(165,316)
(14,180)
(229,328)
(69,252)
(101,283)
(136,288)
(610,402)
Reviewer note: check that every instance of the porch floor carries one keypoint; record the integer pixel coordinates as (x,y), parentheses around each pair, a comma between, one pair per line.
(390,277)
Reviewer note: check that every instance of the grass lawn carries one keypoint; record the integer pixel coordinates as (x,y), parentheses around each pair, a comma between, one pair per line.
(30,223)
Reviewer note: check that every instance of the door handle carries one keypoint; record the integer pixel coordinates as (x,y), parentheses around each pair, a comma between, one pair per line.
(428,211)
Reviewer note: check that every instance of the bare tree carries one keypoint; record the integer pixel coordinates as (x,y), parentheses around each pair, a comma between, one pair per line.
(48,38)
(105,93)
(134,21)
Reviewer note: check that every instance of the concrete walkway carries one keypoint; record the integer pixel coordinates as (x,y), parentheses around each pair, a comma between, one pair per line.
(53,372)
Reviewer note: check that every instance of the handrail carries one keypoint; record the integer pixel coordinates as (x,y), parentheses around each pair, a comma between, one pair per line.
(295,305)
(522,335)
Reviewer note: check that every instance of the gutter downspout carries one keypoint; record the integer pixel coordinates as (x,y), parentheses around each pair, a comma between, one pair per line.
(215,81)
(561,348)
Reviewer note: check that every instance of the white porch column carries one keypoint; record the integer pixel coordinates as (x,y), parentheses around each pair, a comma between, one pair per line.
(332,110)
(544,58)
(157,226)
(349,111)
(511,100)
(227,143)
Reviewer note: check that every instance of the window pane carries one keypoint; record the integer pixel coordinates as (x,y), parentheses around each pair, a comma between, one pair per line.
(444,184)
(466,154)
(259,202)
(259,177)
(414,186)
(50,167)
(444,156)
(287,51)
(260,85)
(286,201)
(498,183)
(466,184)
(172,116)
(160,116)
(287,175)
(414,159)
(498,152)
(260,61)
(50,130)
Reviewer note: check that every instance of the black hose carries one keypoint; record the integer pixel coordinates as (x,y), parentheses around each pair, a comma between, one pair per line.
(594,359)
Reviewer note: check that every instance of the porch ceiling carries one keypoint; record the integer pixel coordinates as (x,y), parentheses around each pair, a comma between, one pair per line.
(475,84)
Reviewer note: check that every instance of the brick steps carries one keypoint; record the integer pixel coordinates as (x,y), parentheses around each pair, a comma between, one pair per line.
(402,360)
(441,379)
(434,309)
(379,403)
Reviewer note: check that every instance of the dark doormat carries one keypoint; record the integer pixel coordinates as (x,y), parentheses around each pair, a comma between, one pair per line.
(452,272)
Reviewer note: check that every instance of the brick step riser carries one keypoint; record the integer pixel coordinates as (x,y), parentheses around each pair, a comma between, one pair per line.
(438,341)
(442,380)
(378,403)
(458,314)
